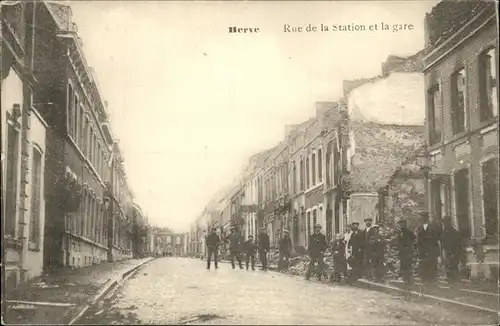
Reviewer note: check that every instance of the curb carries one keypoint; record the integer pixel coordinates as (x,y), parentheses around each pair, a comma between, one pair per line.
(394,289)
(107,288)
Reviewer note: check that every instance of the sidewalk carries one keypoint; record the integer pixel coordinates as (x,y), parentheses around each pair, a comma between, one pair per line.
(484,297)
(57,298)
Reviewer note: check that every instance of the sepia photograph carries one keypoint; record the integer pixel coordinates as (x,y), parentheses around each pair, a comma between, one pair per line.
(249,162)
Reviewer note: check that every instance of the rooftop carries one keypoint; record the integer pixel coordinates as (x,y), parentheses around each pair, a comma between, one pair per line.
(447,17)
(393,64)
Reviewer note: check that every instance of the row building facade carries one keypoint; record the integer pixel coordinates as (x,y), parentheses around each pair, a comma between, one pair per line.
(66,201)
(461,88)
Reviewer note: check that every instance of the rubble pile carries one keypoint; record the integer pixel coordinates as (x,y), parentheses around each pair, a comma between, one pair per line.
(298,266)
(274,256)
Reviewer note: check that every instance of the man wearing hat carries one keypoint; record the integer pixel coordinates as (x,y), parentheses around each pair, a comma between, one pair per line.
(264,245)
(428,235)
(405,239)
(212,242)
(285,250)
(317,247)
(453,248)
(376,251)
(355,246)
(235,247)
(368,233)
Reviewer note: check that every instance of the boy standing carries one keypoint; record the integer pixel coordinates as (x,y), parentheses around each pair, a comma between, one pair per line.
(250,250)
(339,260)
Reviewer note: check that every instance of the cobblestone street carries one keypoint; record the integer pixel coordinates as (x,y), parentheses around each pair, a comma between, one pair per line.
(182,291)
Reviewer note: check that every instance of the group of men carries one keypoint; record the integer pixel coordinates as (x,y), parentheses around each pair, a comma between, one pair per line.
(357,253)
(362,252)
(239,247)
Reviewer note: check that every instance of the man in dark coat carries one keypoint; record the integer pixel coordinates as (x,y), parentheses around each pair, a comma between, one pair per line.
(212,242)
(376,251)
(356,246)
(368,233)
(316,248)
(428,235)
(285,249)
(264,245)
(405,240)
(235,247)
(451,242)
(250,251)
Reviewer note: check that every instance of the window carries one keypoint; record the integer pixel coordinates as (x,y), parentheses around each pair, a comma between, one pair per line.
(458,101)
(308,225)
(36,175)
(11,182)
(85,139)
(336,165)
(70,109)
(488,86)
(99,158)
(462,202)
(435,115)
(307,173)
(301,174)
(91,145)
(81,134)
(84,215)
(76,121)
(320,166)
(328,164)
(489,171)
(91,218)
(315,218)
(440,201)
(294,179)
(94,151)
(313,166)
(95,220)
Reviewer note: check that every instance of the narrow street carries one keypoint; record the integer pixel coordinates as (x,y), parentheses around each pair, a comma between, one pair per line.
(181,291)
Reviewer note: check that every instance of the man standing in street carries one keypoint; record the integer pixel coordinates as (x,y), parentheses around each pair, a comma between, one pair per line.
(453,249)
(367,258)
(355,246)
(264,245)
(250,250)
(212,242)
(317,247)
(235,247)
(285,251)
(428,235)
(405,240)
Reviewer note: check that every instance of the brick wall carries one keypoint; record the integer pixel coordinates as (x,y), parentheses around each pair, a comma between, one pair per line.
(465,56)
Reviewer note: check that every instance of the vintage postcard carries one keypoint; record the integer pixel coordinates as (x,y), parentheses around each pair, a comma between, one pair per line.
(249,162)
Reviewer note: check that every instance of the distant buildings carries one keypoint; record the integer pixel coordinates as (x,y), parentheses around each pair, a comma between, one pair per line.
(461,87)
(167,241)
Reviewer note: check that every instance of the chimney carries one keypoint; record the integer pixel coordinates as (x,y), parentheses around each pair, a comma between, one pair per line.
(427,30)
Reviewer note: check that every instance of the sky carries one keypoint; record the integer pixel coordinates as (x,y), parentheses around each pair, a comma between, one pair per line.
(190,102)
